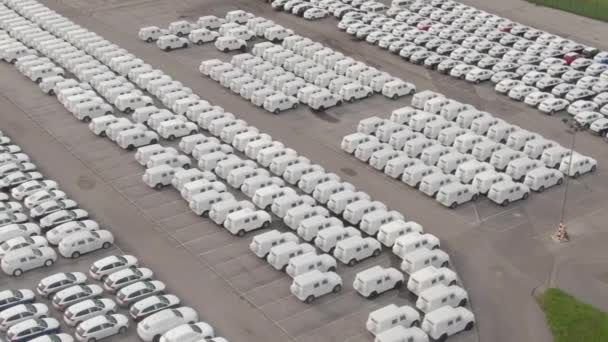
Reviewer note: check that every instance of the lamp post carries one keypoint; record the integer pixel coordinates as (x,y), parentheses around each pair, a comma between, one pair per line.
(572,128)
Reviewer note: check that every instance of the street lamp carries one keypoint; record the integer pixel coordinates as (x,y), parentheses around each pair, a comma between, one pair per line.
(572,128)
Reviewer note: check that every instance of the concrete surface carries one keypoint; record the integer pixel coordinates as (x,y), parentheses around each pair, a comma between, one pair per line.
(502,254)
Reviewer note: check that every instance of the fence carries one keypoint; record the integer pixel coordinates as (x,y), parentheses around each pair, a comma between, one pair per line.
(596,9)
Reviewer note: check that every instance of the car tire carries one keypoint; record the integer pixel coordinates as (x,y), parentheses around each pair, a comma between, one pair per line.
(376,253)
(526,195)
(309,299)
(414,324)
(158,186)
(352,262)
(337,288)
(442,338)
(593,168)
(576,174)
(156,338)
(122,330)
(266,224)
(92,339)
(372,295)
(17,272)
(186,166)
(477,81)
(463,302)
(75,255)
(453,205)
(244,48)
(505,203)
(106,245)
(276,111)
(86,119)
(240,233)
(541,189)
(205,213)
(131,147)
(394,97)
(172,137)
(168,48)
(445,264)
(149,40)
(154,141)
(398,284)
(185,45)
(295,105)
(469,326)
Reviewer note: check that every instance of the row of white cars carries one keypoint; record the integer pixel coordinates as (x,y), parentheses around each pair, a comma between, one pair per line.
(544,71)
(455,152)
(33,206)
(308,10)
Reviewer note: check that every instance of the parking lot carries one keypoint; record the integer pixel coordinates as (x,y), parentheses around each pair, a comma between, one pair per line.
(499,252)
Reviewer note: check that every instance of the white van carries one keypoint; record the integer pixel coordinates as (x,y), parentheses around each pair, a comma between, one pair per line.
(535,148)
(210,22)
(311,285)
(508,191)
(323,191)
(501,158)
(420,99)
(484,150)
(92,109)
(455,194)
(467,171)
(402,334)
(451,111)
(267,155)
(413,148)
(412,241)
(225,44)
(279,256)
(543,178)
(294,173)
(501,131)
(309,262)
(282,204)
(143,154)
(264,197)
(356,249)
(337,202)
(372,221)
(385,131)
(294,216)
(390,316)
(241,140)
(251,185)
(518,139)
(199,186)
(436,104)
(429,277)
(364,151)
(186,176)
(169,159)
(280,164)
(159,176)
(483,181)
(466,142)
(201,203)
(465,119)
(424,257)
(354,91)
(350,142)
(397,88)
(279,102)
(450,161)
(391,231)
(447,321)
(577,164)
(552,156)
(238,16)
(448,135)
(220,210)
(310,181)
(262,243)
(236,177)
(441,295)
(136,137)
(431,184)
(433,128)
(419,121)
(180,28)
(518,168)
(246,220)
(376,280)
(310,227)
(370,125)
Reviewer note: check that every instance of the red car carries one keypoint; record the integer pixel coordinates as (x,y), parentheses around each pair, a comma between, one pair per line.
(571,56)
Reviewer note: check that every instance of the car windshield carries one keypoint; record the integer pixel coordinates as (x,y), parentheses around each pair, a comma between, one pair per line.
(177,313)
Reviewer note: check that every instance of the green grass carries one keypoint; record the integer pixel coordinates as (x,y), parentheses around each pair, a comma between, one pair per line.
(571,320)
(596,9)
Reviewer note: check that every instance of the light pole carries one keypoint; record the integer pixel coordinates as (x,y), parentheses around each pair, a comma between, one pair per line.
(572,128)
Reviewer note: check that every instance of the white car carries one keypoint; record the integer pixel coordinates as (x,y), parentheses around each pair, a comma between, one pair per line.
(148,306)
(100,327)
(126,277)
(478,75)
(202,35)
(62,216)
(20,313)
(108,265)
(41,196)
(87,309)
(12,218)
(226,44)
(28,329)
(55,235)
(28,258)
(189,333)
(154,326)
(553,105)
(535,98)
(52,206)
(10,207)
(172,42)
(315,13)
(15,230)
(582,106)
(59,281)
(74,245)
(151,33)
(279,102)
(17,178)
(21,242)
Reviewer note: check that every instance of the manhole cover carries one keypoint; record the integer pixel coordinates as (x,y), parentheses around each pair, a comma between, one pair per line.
(349,171)
(85,183)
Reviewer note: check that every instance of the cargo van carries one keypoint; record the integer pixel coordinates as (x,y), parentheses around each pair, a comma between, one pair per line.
(243,221)
(433,128)
(543,178)
(337,202)
(308,228)
(364,151)
(199,186)
(467,171)
(447,136)
(435,105)
(237,176)
(390,316)
(279,256)
(390,232)
(376,280)
(420,99)
(309,181)
(143,154)
(431,154)
(323,191)
(420,120)
(449,162)
(282,205)
(414,147)
(186,176)
(483,181)
(518,168)
(370,125)
(431,184)
(398,140)
(280,164)
(224,167)
(264,197)
(187,144)
(380,158)
(465,119)
(424,257)
(429,277)
(501,158)
(294,173)
(412,241)
(501,131)
(396,167)
(355,249)
(402,334)
(414,174)
(253,148)
(201,203)
(309,262)
(350,142)
(508,191)
(517,140)
(481,125)
(455,194)
(159,176)
(403,115)
(384,132)
(466,142)
(262,243)
(328,238)
(219,211)
(371,222)
(242,139)
(311,285)
(577,165)
(294,216)
(251,185)
(441,295)
(483,151)
(552,156)
(451,110)
(447,321)
(535,148)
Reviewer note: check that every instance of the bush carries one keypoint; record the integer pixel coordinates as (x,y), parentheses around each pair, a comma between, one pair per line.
(596,9)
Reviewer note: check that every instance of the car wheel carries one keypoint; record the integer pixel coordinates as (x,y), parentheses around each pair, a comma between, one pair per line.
(276,111)
(477,81)
(463,302)
(92,339)
(309,299)
(376,253)
(352,262)
(321,108)
(442,338)
(398,284)
(394,97)
(154,141)
(106,245)
(75,255)
(17,272)
(156,338)
(541,189)
(576,174)
(172,137)
(168,48)
(185,45)
(128,110)
(445,264)
(337,288)
(186,166)
(593,168)
(295,105)
(469,326)
(149,40)
(240,233)
(414,324)
(102,134)
(453,205)
(244,48)
(505,203)
(373,295)
(158,186)
(122,330)
(131,147)
(225,50)
(266,224)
